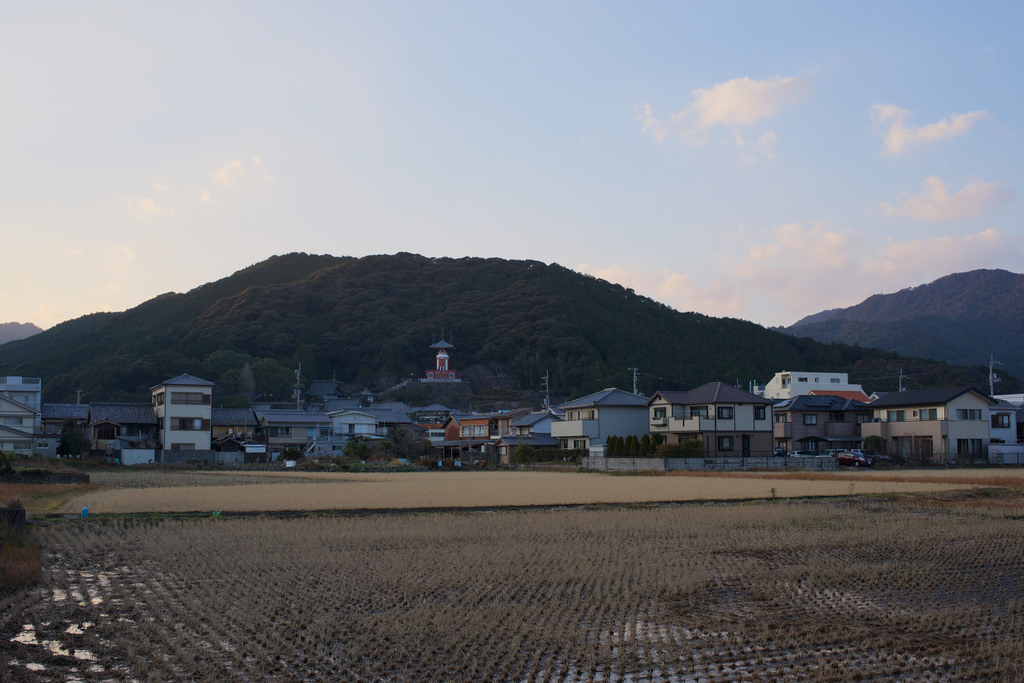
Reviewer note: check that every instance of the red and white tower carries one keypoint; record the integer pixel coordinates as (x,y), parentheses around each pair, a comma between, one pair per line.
(442,371)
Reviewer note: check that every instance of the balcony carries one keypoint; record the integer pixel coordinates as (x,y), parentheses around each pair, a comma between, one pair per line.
(568,429)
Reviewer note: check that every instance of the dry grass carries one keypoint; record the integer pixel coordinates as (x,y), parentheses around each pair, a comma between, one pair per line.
(318,491)
(20,563)
(858,589)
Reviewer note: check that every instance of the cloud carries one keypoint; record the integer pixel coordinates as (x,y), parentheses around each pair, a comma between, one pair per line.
(901,136)
(161,186)
(144,208)
(935,203)
(258,163)
(205,197)
(796,269)
(230,173)
(738,102)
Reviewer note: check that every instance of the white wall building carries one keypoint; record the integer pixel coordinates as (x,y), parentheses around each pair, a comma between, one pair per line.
(790,383)
(184,411)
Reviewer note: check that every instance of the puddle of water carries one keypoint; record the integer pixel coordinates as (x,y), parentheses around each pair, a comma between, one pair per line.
(27,635)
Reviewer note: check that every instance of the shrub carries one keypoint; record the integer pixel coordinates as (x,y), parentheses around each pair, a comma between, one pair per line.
(691,448)
(20,562)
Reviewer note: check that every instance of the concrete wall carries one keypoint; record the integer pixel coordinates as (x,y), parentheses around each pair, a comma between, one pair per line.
(712,464)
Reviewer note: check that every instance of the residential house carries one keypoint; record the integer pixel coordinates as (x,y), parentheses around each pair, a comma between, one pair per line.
(281,429)
(728,420)
(54,415)
(590,420)
(367,423)
(183,409)
(533,429)
(231,428)
(811,423)
(933,425)
(17,426)
(1003,422)
(790,383)
(113,427)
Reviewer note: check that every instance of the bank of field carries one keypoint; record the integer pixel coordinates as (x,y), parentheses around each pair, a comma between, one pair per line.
(853,589)
(154,491)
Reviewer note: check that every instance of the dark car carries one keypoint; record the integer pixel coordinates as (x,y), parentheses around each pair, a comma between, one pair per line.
(779,451)
(851,459)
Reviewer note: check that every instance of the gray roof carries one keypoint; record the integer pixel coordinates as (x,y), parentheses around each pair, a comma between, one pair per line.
(335,404)
(64,411)
(606,397)
(184,379)
(122,413)
(712,392)
(540,440)
(232,417)
(280,417)
(807,402)
(925,397)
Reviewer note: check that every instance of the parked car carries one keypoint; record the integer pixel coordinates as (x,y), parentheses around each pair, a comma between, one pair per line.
(779,451)
(804,454)
(853,459)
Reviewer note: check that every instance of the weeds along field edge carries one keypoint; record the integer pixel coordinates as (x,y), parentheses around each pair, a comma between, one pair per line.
(482,489)
(857,589)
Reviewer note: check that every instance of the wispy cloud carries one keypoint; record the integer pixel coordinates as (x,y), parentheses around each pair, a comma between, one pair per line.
(901,136)
(735,103)
(236,174)
(144,208)
(229,174)
(936,203)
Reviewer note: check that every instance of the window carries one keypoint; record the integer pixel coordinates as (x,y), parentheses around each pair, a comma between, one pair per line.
(930,414)
(759,412)
(698,411)
(834,380)
(659,413)
(725,443)
(12,421)
(464,432)
(479,430)
(190,398)
(1001,421)
(861,419)
(158,399)
(782,417)
(968,413)
(281,432)
(895,415)
(724,412)
(189,424)
(810,419)
(968,448)
(836,417)
(801,379)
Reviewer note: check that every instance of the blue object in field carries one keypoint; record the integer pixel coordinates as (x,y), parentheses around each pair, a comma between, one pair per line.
(85,513)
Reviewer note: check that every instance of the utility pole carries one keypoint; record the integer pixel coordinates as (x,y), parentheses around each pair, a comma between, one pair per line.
(903,377)
(992,379)
(547,388)
(298,387)
(635,370)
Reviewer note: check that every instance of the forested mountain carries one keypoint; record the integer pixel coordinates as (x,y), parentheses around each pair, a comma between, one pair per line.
(370,321)
(15,331)
(964,318)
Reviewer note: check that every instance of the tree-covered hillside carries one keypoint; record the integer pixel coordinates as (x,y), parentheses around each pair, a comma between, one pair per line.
(962,318)
(370,321)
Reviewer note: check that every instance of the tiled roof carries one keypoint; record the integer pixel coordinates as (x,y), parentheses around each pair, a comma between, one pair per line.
(63,411)
(232,417)
(712,392)
(286,417)
(184,379)
(853,395)
(122,413)
(606,397)
(809,402)
(925,397)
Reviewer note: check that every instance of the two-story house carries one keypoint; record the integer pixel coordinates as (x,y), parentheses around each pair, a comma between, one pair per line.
(590,420)
(729,421)
(933,425)
(17,426)
(285,428)
(812,423)
(114,427)
(533,429)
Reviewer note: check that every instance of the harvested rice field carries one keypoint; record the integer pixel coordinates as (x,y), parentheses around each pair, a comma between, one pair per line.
(914,587)
(159,491)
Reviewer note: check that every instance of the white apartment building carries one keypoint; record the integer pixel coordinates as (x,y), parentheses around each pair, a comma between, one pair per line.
(791,383)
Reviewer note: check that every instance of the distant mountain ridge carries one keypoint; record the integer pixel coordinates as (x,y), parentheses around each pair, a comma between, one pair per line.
(963,318)
(370,321)
(16,331)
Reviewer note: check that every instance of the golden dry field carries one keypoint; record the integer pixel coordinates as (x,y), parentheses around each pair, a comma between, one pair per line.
(918,587)
(128,491)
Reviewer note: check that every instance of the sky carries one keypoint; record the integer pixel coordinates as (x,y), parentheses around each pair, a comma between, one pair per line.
(754,160)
